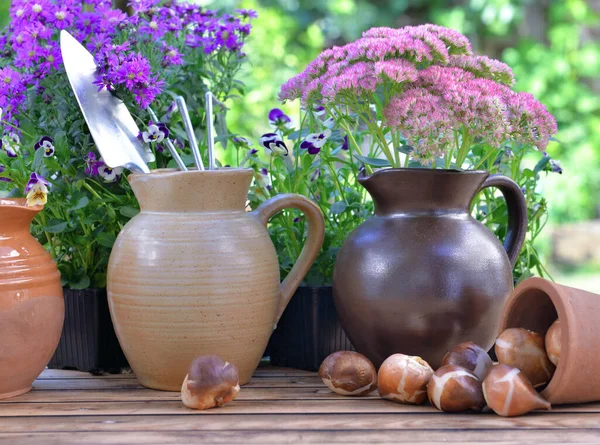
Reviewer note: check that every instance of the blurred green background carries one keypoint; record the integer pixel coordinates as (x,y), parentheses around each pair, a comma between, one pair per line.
(553,47)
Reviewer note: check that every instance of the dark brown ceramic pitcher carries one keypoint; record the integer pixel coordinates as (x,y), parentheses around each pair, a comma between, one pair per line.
(422,275)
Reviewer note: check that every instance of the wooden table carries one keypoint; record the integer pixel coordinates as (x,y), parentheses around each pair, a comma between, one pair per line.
(278,406)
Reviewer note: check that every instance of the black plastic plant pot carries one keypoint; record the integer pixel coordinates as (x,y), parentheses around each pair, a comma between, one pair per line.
(88,341)
(308,331)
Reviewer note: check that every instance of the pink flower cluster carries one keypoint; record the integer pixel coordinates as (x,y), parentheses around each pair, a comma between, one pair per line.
(446,99)
(432,85)
(401,49)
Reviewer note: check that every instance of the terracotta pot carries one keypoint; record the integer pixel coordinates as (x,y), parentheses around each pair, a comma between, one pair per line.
(31,301)
(422,275)
(194,273)
(535,304)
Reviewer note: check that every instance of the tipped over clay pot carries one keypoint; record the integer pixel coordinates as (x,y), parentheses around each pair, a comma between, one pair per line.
(535,304)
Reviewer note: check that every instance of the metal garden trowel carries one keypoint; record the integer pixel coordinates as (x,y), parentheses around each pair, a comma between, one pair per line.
(111,125)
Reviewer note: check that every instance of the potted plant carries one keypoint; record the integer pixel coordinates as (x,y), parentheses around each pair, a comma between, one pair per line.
(146,58)
(414,98)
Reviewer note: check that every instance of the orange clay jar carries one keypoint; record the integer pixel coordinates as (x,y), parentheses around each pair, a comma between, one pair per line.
(31,301)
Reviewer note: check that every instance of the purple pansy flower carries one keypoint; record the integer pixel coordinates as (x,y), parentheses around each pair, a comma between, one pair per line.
(318,110)
(110,174)
(316,174)
(345,143)
(47,144)
(273,144)
(555,167)
(2,178)
(34,179)
(92,164)
(155,133)
(315,141)
(11,144)
(241,141)
(278,117)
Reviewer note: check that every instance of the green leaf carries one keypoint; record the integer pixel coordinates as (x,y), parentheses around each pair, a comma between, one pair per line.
(375,162)
(128,211)
(82,283)
(38,159)
(337,207)
(406,149)
(106,239)
(55,227)
(83,202)
(541,165)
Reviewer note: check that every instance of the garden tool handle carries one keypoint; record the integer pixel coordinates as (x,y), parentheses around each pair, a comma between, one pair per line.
(517,214)
(312,246)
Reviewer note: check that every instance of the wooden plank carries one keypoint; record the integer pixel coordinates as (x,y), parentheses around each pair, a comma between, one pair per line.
(48,374)
(434,421)
(145,394)
(157,407)
(128,383)
(247,394)
(55,374)
(151,437)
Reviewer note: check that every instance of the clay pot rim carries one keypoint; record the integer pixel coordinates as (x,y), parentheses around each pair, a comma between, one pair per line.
(19,203)
(362,177)
(557,296)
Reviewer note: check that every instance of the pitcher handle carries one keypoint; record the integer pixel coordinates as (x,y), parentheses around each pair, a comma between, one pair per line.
(312,246)
(517,214)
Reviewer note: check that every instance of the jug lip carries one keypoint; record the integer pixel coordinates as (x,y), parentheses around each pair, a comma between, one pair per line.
(171,172)
(363,176)
(19,203)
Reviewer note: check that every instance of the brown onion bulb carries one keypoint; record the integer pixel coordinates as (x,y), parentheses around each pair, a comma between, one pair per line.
(508,392)
(526,351)
(471,357)
(553,342)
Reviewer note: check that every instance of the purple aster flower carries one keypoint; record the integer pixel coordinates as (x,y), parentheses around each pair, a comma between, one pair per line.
(133,71)
(99,42)
(60,18)
(110,19)
(315,141)
(278,117)
(264,171)
(226,36)
(142,6)
(145,94)
(247,13)
(34,179)
(155,133)
(92,164)
(171,57)
(47,144)
(153,27)
(102,82)
(273,144)
(110,174)
(345,143)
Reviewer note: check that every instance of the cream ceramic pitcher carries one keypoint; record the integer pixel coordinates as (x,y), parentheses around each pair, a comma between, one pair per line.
(194,273)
